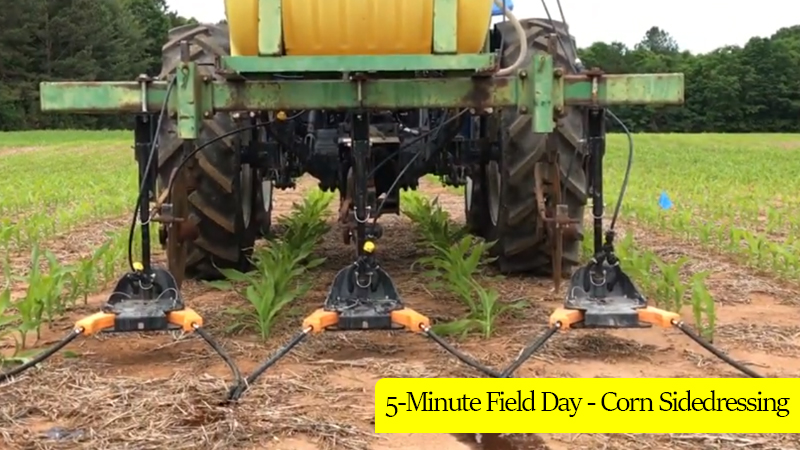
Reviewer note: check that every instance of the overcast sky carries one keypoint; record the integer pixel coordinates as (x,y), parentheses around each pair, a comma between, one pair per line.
(697,25)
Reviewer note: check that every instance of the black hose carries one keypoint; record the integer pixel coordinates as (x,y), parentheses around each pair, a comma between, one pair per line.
(237,390)
(6,376)
(713,350)
(529,351)
(237,374)
(217,139)
(461,356)
(143,186)
(409,164)
(433,131)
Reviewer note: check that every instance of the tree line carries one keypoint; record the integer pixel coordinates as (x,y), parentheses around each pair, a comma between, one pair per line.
(76,40)
(754,88)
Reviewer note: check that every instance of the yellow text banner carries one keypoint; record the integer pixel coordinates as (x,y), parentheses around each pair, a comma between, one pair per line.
(587,405)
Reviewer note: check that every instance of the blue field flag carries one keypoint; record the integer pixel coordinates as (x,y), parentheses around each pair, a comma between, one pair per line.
(663,201)
(496,11)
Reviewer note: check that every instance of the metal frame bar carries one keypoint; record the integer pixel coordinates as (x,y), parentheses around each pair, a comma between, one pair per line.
(537,90)
(480,63)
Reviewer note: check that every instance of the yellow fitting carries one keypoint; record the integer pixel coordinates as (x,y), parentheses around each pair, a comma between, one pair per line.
(369,246)
(137,266)
(281,115)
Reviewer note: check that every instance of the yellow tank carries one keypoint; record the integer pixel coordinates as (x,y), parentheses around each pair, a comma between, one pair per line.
(357,27)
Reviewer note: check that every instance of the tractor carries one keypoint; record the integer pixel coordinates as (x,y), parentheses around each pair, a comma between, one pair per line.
(368,97)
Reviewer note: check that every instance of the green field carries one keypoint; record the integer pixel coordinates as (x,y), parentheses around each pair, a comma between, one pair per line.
(739,194)
(736,193)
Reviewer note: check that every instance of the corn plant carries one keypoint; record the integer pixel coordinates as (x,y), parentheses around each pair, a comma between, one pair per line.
(85,279)
(94,182)
(744,207)
(281,267)
(662,282)
(454,268)
(43,300)
(307,221)
(456,260)
(432,222)
(276,282)
(8,320)
(703,305)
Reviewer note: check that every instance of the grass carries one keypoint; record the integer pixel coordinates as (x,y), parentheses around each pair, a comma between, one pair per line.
(69,138)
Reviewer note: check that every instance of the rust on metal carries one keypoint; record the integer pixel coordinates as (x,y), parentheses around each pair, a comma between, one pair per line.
(345,221)
(552,44)
(176,236)
(488,69)
(480,96)
(594,75)
(555,220)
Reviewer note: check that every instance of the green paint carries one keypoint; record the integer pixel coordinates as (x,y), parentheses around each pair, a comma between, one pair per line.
(637,89)
(92,98)
(189,101)
(535,90)
(541,71)
(359,63)
(445,26)
(270,28)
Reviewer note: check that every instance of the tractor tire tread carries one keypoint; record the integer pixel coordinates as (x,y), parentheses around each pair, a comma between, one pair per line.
(523,245)
(213,175)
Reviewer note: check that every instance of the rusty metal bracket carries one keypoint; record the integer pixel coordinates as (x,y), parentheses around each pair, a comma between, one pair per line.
(556,221)
(594,74)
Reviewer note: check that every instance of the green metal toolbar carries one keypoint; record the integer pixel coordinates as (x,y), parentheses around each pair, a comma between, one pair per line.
(538,90)
(477,63)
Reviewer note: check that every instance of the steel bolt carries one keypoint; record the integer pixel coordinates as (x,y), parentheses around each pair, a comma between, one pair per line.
(523,109)
(207,114)
(523,74)
(206,79)
(558,73)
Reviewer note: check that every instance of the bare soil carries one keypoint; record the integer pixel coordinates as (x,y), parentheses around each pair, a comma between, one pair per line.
(8,151)
(165,391)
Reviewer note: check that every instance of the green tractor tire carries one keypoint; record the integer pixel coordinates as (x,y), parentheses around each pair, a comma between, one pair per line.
(225,197)
(500,202)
